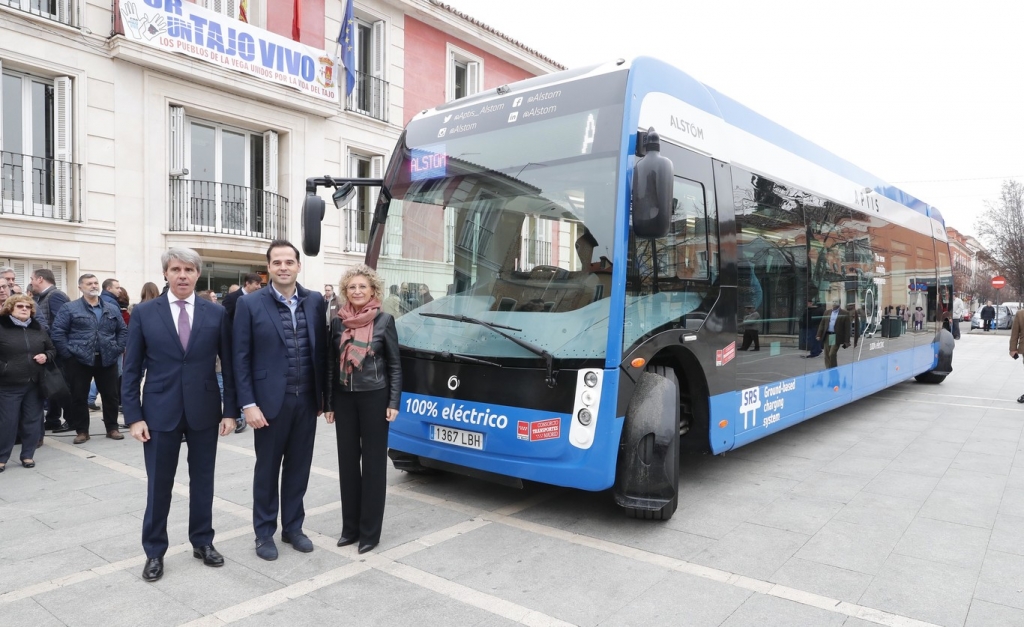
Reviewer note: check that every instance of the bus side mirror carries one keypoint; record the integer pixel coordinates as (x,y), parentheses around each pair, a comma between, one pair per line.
(343,194)
(312,215)
(652,191)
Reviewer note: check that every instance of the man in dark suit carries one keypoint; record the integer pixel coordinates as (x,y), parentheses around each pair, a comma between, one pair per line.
(49,300)
(250,283)
(833,332)
(280,342)
(174,341)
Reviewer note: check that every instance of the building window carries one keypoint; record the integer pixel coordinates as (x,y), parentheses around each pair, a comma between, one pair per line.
(465,73)
(359,212)
(23,269)
(223,179)
(63,11)
(370,94)
(37,177)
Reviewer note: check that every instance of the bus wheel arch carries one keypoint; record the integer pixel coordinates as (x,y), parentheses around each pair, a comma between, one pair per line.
(647,469)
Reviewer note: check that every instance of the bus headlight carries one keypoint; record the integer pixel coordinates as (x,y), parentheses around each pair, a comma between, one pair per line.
(587,397)
(584,417)
(590,379)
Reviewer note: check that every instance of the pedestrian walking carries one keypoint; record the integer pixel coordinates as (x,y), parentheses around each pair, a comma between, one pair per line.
(25,348)
(175,342)
(280,347)
(958,315)
(750,332)
(90,336)
(49,301)
(988,314)
(1017,339)
(833,332)
(364,390)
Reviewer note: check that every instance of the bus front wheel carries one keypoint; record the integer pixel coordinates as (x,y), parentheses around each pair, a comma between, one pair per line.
(647,472)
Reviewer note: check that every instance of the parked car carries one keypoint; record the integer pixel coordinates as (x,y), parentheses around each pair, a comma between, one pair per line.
(1004,316)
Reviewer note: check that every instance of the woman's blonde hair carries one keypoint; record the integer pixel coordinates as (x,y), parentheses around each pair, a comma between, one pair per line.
(362,269)
(13,300)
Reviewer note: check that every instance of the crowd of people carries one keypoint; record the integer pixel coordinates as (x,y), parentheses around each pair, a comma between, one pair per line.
(185,369)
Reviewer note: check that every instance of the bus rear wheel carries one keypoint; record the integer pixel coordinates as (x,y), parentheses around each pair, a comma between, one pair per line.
(647,473)
(930,377)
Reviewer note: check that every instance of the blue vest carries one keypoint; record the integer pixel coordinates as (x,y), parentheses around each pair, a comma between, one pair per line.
(300,352)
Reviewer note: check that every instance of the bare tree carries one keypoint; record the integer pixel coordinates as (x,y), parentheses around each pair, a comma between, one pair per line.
(1002,225)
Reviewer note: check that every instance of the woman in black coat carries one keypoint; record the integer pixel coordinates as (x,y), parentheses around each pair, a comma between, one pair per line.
(364,390)
(24,349)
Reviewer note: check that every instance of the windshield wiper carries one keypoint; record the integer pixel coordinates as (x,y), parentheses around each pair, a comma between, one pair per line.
(452,356)
(536,350)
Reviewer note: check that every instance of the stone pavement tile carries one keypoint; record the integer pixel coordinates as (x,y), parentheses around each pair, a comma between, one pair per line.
(914,423)
(752,550)
(300,611)
(857,622)
(474,492)
(977,510)
(681,600)
(920,464)
(796,513)
(922,589)
(407,526)
(946,542)
(971,482)
(712,517)
(905,485)
(1006,535)
(830,486)
(1013,502)
(15,530)
(956,435)
(98,510)
(1002,448)
(894,432)
(817,450)
(982,462)
(1003,418)
(929,446)
(856,465)
(790,467)
(985,614)
(290,567)
(117,489)
(494,544)
(43,544)
(1016,477)
(25,572)
(878,448)
(1002,579)
(120,599)
(321,491)
(754,488)
(767,611)
(850,546)
(44,500)
(206,589)
(378,599)
(983,431)
(829,581)
(29,613)
(889,515)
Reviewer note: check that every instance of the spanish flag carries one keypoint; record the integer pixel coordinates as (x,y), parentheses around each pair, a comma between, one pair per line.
(243,11)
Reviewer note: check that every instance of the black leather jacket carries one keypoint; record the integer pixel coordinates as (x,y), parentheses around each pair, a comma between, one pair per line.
(381,368)
(18,345)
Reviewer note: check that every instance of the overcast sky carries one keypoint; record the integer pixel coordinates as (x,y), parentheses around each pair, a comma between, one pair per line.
(925,95)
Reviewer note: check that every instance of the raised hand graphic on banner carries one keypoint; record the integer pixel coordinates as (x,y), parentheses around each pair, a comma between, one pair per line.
(131,19)
(157,27)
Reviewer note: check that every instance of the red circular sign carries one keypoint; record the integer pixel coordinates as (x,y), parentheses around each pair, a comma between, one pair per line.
(998,282)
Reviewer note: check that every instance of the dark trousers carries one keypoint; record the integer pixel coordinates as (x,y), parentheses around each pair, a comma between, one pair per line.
(813,344)
(284,449)
(360,421)
(161,453)
(79,376)
(54,409)
(21,412)
(751,335)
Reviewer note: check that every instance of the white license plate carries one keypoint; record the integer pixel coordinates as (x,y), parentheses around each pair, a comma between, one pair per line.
(458,437)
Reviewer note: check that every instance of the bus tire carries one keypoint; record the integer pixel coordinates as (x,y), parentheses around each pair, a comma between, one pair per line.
(647,472)
(409,463)
(930,377)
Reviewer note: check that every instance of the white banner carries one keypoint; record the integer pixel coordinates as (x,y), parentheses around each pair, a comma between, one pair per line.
(189,29)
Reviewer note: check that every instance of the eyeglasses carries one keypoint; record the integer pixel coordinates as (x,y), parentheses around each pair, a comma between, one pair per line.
(23,306)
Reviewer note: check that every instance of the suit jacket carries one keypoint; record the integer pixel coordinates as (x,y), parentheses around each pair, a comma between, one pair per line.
(260,355)
(229,302)
(1017,332)
(842,327)
(177,381)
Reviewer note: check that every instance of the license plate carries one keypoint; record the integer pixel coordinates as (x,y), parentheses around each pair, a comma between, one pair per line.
(458,437)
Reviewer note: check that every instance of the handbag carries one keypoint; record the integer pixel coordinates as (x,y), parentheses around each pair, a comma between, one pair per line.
(52,382)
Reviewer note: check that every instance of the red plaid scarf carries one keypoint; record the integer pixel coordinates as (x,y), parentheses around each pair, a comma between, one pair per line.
(356,338)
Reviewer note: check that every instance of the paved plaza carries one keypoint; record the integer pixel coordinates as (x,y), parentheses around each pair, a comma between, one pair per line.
(904,509)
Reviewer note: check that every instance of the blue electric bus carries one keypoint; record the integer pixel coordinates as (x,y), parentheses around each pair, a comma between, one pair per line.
(595,269)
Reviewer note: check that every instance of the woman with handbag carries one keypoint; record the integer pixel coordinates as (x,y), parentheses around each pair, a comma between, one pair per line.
(364,387)
(25,348)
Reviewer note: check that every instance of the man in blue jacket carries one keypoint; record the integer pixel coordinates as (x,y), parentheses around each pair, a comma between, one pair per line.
(90,336)
(175,340)
(280,360)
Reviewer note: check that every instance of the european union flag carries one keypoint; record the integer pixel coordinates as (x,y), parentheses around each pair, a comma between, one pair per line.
(347,42)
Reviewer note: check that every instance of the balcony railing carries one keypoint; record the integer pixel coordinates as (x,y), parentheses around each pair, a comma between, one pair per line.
(62,11)
(369,96)
(38,187)
(535,253)
(208,207)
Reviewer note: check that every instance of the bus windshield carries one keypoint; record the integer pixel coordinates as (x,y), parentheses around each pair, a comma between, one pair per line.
(503,211)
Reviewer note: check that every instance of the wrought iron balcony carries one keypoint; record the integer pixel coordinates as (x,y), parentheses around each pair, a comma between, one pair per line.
(208,207)
(38,187)
(369,96)
(63,11)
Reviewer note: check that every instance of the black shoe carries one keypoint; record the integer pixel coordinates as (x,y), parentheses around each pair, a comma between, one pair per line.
(1020,399)
(266,549)
(154,569)
(94,407)
(299,541)
(240,426)
(343,541)
(63,427)
(208,554)
(366,547)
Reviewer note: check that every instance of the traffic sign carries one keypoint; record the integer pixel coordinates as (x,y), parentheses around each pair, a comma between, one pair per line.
(999,282)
